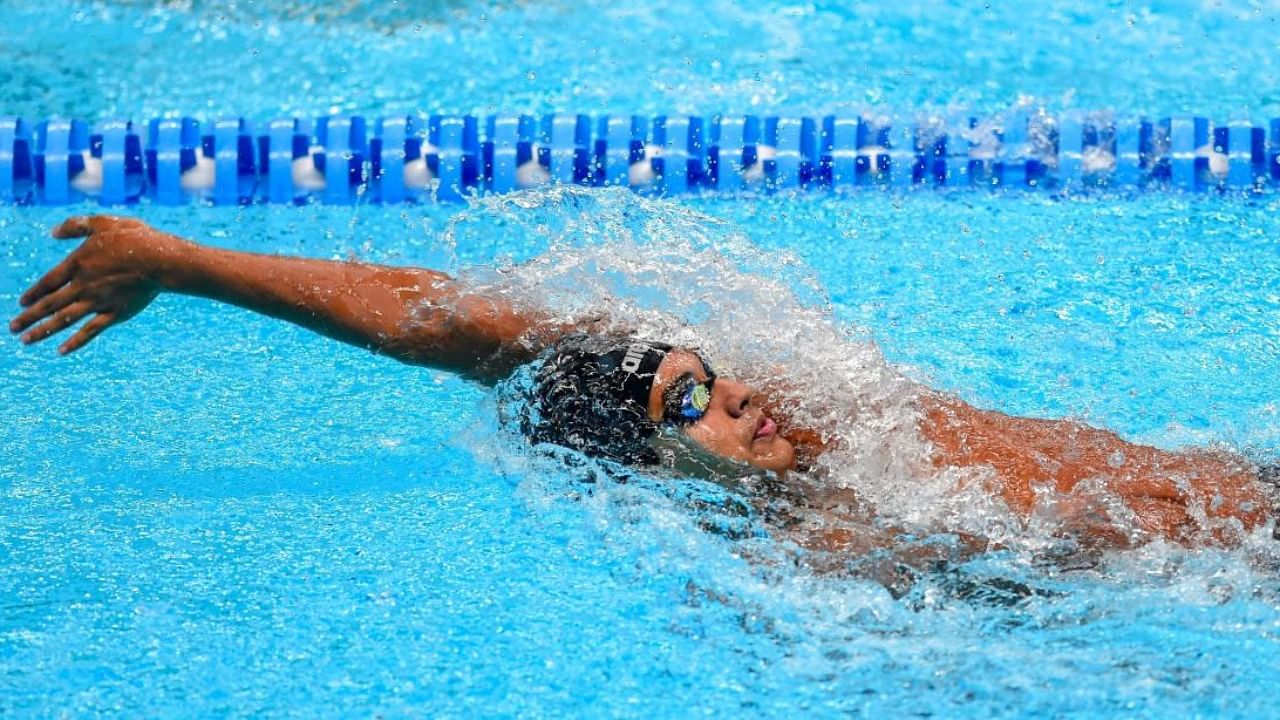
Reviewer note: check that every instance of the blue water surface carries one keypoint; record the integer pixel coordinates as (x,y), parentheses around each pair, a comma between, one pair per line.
(285,57)
(209,513)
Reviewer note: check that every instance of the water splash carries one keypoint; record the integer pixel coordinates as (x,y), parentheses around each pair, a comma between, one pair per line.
(666,271)
(661,270)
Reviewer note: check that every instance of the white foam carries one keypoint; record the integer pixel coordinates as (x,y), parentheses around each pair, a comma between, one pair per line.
(665,271)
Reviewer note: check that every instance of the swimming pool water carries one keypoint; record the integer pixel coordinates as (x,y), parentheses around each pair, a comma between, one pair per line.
(283,57)
(210,513)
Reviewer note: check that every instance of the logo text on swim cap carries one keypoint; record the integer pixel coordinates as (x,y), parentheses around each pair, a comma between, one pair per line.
(635,354)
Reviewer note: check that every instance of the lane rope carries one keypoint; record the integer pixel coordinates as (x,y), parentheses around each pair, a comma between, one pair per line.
(344,159)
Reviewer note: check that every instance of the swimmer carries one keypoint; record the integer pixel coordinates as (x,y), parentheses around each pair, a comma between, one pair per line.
(640,402)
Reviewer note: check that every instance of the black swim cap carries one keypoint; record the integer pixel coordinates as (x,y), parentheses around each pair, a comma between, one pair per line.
(592,395)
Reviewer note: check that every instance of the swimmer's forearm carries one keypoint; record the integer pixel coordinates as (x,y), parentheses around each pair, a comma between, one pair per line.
(1159,487)
(414,315)
(351,302)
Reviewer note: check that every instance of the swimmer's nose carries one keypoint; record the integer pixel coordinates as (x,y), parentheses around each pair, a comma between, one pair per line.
(736,397)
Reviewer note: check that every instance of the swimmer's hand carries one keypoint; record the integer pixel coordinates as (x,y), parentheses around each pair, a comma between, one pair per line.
(111,277)
(414,315)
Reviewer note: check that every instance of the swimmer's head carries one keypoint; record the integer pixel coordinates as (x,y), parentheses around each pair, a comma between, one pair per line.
(592,395)
(646,403)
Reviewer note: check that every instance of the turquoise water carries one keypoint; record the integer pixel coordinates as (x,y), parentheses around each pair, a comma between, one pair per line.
(279,57)
(208,513)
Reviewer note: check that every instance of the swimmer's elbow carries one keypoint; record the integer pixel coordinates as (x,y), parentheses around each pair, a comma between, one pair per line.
(438,347)
(480,346)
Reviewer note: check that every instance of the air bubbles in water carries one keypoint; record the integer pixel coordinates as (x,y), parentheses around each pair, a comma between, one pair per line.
(664,271)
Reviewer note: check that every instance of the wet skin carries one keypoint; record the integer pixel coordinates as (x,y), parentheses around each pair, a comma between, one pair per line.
(1165,492)
(735,425)
(424,317)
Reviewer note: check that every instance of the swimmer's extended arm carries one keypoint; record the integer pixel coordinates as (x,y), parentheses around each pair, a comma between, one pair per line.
(414,315)
(1168,494)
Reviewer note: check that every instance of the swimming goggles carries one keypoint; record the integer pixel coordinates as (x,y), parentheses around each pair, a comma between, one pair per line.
(686,400)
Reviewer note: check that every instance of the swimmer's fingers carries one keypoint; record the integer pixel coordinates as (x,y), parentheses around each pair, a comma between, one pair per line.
(1163,517)
(87,332)
(59,321)
(45,307)
(85,225)
(73,227)
(60,275)
(1155,487)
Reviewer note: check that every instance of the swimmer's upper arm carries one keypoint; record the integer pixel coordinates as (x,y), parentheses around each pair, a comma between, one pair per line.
(1165,491)
(415,315)
(479,336)
(484,337)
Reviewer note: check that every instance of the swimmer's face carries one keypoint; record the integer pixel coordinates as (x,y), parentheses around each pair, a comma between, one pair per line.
(734,426)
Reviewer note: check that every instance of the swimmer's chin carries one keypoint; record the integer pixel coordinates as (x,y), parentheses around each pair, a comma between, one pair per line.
(769,449)
(772,452)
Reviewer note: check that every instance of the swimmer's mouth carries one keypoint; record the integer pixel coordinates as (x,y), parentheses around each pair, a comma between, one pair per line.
(766,428)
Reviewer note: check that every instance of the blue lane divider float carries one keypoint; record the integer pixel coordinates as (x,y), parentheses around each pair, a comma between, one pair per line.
(507,148)
(1128,143)
(567,140)
(619,145)
(61,148)
(388,154)
(17,171)
(903,153)
(344,159)
(734,147)
(839,161)
(174,149)
(117,148)
(457,151)
(680,157)
(229,143)
(342,146)
(1273,153)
